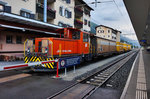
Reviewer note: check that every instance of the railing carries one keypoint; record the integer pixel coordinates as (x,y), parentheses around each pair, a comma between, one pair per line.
(78,11)
(78,23)
(87,12)
(50,1)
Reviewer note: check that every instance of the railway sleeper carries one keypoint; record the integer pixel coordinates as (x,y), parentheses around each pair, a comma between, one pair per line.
(100,78)
(94,83)
(99,81)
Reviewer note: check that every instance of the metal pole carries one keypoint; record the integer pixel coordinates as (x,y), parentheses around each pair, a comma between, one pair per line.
(65,71)
(74,69)
(57,75)
(45,11)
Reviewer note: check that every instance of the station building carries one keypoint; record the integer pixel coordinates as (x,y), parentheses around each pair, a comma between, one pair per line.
(108,33)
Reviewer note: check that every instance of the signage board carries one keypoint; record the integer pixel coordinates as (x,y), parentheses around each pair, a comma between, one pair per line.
(69,61)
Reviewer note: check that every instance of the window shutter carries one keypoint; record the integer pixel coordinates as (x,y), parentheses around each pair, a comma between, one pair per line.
(66,13)
(70,14)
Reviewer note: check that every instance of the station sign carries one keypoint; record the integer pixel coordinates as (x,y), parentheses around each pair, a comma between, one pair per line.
(69,61)
(143,41)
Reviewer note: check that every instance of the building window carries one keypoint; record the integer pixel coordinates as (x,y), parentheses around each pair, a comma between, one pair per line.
(68,1)
(108,31)
(25,14)
(19,40)
(9,39)
(101,31)
(112,37)
(108,35)
(68,13)
(61,11)
(85,22)
(1,8)
(60,24)
(85,37)
(89,24)
(76,35)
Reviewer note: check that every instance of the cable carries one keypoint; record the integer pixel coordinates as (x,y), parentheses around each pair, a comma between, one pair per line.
(121,13)
(118,7)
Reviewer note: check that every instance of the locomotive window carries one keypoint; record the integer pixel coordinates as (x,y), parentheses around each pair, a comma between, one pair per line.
(75,34)
(40,46)
(85,37)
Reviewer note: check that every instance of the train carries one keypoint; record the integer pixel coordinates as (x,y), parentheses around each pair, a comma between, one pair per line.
(72,47)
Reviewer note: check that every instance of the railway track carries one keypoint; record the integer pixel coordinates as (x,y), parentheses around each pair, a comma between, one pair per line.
(88,85)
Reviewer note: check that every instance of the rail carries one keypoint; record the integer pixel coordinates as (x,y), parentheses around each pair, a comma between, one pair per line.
(102,76)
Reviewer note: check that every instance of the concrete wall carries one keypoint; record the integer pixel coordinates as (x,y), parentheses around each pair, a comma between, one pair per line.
(118,36)
(100,34)
(13,47)
(17,5)
(86,27)
(63,19)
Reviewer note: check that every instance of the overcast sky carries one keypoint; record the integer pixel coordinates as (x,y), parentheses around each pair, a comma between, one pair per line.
(108,14)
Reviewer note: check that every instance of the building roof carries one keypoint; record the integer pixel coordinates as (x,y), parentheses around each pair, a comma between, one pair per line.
(83,2)
(107,27)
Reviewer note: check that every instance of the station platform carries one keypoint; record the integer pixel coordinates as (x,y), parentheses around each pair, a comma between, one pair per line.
(138,83)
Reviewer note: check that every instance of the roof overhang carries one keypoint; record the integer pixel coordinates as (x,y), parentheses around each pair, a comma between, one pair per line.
(11,21)
(139,12)
(26,21)
(83,2)
(27,29)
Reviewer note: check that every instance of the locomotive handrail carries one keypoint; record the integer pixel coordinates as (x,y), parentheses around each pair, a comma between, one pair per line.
(25,46)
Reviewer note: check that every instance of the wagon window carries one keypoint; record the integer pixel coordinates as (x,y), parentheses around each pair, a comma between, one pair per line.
(76,35)
(85,37)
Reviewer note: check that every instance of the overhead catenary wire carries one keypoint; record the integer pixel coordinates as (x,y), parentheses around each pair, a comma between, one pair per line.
(121,13)
(90,3)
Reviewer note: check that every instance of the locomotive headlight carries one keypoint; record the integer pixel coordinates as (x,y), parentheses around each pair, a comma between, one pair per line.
(28,50)
(46,50)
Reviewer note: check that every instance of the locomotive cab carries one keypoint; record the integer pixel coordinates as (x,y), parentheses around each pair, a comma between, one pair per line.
(83,39)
